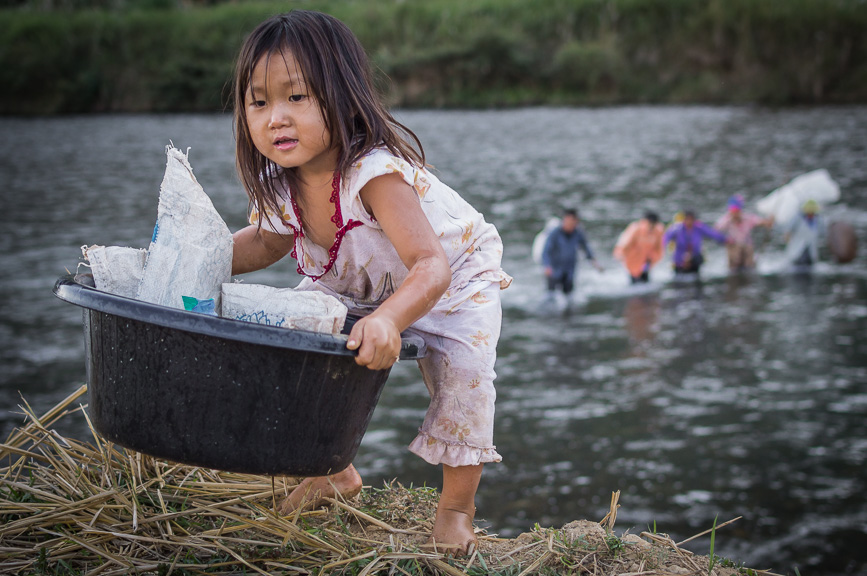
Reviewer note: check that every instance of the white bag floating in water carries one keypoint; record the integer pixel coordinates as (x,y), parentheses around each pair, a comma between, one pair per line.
(785,202)
(283,307)
(116,269)
(191,250)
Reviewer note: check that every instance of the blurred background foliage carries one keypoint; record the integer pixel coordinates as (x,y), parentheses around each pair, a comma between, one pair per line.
(78,56)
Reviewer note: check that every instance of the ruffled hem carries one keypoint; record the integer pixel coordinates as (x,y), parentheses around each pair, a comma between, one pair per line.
(435,451)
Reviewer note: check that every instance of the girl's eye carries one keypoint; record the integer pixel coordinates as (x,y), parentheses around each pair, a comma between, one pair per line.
(297,97)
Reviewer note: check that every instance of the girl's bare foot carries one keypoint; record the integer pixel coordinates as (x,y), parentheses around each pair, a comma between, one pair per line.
(313,491)
(453,532)
(453,528)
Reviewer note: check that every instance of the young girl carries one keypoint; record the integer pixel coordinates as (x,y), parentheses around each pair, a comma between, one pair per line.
(334,179)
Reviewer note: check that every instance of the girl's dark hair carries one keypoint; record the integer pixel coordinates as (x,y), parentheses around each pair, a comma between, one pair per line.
(337,73)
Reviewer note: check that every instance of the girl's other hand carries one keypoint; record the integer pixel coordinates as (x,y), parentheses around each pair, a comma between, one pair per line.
(377,340)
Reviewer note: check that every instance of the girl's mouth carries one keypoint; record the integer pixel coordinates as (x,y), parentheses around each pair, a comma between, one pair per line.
(285,143)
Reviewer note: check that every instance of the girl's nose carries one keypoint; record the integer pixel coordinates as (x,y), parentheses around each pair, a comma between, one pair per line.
(279,116)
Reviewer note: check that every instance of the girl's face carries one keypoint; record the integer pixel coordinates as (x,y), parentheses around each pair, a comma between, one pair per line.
(285,119)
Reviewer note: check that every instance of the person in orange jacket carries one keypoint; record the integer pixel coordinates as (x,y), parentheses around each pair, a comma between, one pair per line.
(639,247)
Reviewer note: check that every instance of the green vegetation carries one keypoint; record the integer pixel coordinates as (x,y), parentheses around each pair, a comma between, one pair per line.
(173,55)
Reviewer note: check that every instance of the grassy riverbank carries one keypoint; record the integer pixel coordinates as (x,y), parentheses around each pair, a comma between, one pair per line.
(72,508)
(450,53)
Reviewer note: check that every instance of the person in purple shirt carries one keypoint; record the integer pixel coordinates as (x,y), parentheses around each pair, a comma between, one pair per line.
(687,237)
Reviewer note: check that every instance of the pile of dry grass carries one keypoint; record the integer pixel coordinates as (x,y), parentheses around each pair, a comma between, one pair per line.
(68,507)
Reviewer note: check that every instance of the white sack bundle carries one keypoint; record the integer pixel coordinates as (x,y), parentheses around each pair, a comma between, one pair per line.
(785,202)
(191,250)
(116,269)
(283,307)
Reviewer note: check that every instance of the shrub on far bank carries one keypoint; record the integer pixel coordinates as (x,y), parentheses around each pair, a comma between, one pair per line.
(177,55)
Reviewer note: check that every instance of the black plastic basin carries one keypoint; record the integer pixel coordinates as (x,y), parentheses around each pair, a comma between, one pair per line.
(221,393)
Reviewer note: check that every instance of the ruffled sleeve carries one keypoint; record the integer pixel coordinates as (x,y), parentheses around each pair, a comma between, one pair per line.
(379,163)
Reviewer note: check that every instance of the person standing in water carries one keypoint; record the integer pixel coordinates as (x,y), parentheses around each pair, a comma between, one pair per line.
(738,226)
(336,181)
(802,236)
(687,237)
(639,247)
(560,255)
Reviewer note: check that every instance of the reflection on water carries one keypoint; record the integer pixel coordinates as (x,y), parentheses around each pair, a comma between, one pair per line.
(738,396)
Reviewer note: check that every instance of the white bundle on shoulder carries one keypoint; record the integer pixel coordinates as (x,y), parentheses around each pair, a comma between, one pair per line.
(190,253)
(284,307)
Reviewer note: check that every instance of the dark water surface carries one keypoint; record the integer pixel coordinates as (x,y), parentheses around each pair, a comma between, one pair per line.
(742,396)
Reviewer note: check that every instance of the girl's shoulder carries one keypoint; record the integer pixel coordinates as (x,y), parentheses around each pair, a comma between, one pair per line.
(381,161)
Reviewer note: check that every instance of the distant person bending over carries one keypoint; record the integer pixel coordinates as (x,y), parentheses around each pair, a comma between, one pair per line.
(687,237)
(639,247)
(738,225)
(802,236)
(560,256)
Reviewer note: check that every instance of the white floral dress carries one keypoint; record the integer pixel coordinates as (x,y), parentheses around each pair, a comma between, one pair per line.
(362,269)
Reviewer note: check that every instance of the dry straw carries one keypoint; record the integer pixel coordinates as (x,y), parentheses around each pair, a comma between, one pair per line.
(71,507)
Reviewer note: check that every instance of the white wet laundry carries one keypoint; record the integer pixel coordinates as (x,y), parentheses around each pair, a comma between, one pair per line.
(283,307)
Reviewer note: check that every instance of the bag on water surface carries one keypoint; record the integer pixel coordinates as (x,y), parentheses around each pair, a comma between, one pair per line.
(116,269)
(283,307)
(190,253)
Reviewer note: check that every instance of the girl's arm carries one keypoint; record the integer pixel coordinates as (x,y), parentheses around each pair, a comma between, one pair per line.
(256,248)
(397,209)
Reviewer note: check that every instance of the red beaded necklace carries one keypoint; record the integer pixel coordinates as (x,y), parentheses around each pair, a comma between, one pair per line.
(337,218)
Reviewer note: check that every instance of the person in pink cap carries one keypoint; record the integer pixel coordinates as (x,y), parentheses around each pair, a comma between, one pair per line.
(738,227)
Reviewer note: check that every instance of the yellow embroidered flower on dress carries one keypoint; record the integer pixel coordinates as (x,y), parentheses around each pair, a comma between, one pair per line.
(480,298)
(454,429)
(397,166)
(421,185)
(468,233)
(480,338)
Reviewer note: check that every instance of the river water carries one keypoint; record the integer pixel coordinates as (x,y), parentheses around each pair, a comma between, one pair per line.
(740,396)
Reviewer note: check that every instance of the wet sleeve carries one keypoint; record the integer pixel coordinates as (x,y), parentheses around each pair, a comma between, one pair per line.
(375,164)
